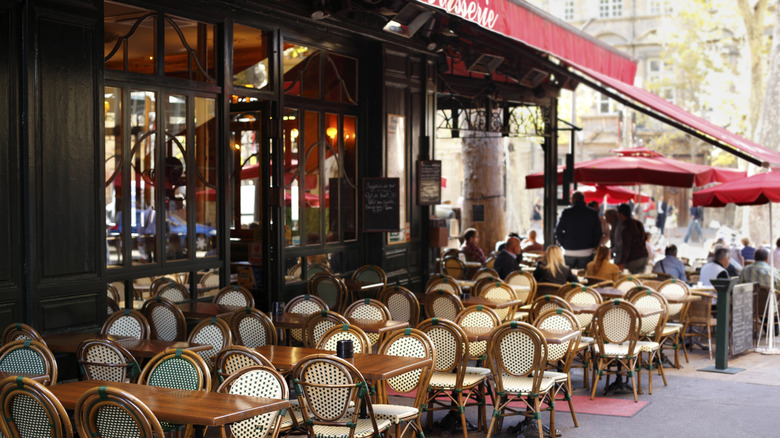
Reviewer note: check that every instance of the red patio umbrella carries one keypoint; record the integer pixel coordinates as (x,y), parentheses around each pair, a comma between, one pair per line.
(635,166)
(762,188)
(614,194)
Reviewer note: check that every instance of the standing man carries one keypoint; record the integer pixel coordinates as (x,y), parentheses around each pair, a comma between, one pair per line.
(660,219)
(579,232)
(697,214)
(506,261)
(470,247)
(633,255)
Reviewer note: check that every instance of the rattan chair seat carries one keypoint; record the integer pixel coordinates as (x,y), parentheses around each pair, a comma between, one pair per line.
(447,380)
(394,413)
(524,385)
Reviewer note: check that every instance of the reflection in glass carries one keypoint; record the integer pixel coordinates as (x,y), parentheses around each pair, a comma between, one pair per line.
(311,191)
(175,179)
(251,48)
(349,181)
(143,215)
(129,38)
(301,71)
(189,49)
(205,177)
(340,79)
(292,174)
(332,172)
(113,163)
(245,144)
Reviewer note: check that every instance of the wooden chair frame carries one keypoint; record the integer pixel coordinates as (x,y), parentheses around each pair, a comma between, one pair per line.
(235,358)
(343,295)
(310,301)
(388,297)
(95,398)
(650,333)
(143,323)
(199,365)
(225,292)
(207,323)
(129,367)
(445,283)
(39,348)
(169,284)
(178,315)
(271,336)
(626,362)
(454,267)
(313,329)
(226,386)
(676,317)
(546,303)
(58,422)
(522,278)
(430,304)
(376,269)
(484,272)
(19,330)
(500,290)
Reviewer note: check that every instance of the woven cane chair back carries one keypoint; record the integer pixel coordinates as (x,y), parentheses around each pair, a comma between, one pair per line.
(617,322)
(172,291)
(454,268)
(370,309)
(370,274)
(584,296)
(410,343)
(449,341)
(478,316)
(256,381)
(111,306)
(330,288)
(234,296)
(211,331)
(401,303)
(176,368)
(447,284)
(295,271)
(521,278)
(625,284)
(500,291)
(559,320)
(566,287)
(20,331)
(110,412)
(483,283)
(28,356)
(235,358)
(103,359)
(484,272)
(546,303)
(165,319)
(516,350)
(316,268)
(437,277)
(31,410)
(327,388)
(443,305)
(674,289)
(319,323)
(210,280)
(128,322)
(360,341)
(252,328)
(651,300)
(306,305)
(113,293)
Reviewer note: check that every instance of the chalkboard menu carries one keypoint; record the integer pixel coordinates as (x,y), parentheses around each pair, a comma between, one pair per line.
(741,318)
(380,205)
(428,182)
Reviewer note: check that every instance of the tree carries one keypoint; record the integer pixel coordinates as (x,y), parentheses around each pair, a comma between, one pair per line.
(754,18)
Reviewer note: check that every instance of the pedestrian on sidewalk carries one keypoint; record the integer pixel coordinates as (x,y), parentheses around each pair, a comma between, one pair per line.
(697,213)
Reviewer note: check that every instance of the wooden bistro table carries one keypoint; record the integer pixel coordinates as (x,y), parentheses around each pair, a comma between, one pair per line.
(297,320)
(40,378)
(610,293)
(139,348)
(552,336)
(179,406)
(358,287)
(491,302)
(201,310)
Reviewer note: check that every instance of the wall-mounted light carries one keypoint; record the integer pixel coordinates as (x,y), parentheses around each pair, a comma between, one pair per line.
(332,132)
(294,134)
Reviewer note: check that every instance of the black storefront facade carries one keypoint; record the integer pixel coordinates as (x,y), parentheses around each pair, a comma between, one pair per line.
(141,139)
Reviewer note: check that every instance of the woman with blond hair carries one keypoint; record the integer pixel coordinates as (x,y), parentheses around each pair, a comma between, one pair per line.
(601,267)
(552,268)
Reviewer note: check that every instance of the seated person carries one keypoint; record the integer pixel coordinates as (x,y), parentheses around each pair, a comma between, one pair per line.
(470,247)
(671,264)
(506,261)
(716,268)
(748,252)
(760,272)
(552,268)
(531,245)
(601,267)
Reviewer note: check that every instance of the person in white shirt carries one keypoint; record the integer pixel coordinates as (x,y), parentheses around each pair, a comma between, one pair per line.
(716,268)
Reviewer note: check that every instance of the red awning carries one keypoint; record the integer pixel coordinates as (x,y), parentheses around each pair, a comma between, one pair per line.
(754,190)
(540,30)
(670,113)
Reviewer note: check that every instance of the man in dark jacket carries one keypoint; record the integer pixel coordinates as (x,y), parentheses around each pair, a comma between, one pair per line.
(579,232)
(634,253)
(506,261)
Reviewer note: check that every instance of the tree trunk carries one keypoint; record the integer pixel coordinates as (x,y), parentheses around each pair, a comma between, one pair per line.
(753,18)
(483,184)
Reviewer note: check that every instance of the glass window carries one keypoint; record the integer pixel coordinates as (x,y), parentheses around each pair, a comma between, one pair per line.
(143,212)
(332,171)
(340,79)
(113,163)
(248,196)
(292,186)
(301,71)
(568,10)
(610,8)
(251,50)
(311,177)
(189,49)
(605,104)
(129,38)
(348,191)
(206,166)
(175,178)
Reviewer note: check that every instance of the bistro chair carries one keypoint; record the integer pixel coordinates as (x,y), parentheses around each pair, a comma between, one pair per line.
(331,289)
(441,304)
(545,304)
(436,277)
(235,358)
(584,296)
(406,343)
(675,292)
(306,305)
(31,410)
(111,306)
(113,293)
(295,271)
(330,393)
(234,296)
(502,292)
(517,356)
(176,368)
(171,290)
(483,283)
(453,267)
(490,262)
(157,283)
(650,334)
(699,323)
(370,274)
(18,330)
(526,280)
(252,328)
(447,284)
(165,319)
(345,332)
(482,317)
(103,359)
(370,309)
(450,377)
(560,357)
(566,287)
(401,303)
(316,268)
(28,356)
(617,324)
(547,289)
(209,281)
(627,283)
(110,412)
(319,323)
(211,331)
(127,322)
(484,272)
(257,381)
(640,290)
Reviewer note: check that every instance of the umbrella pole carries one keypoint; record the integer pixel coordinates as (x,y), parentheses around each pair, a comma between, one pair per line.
(771,301)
